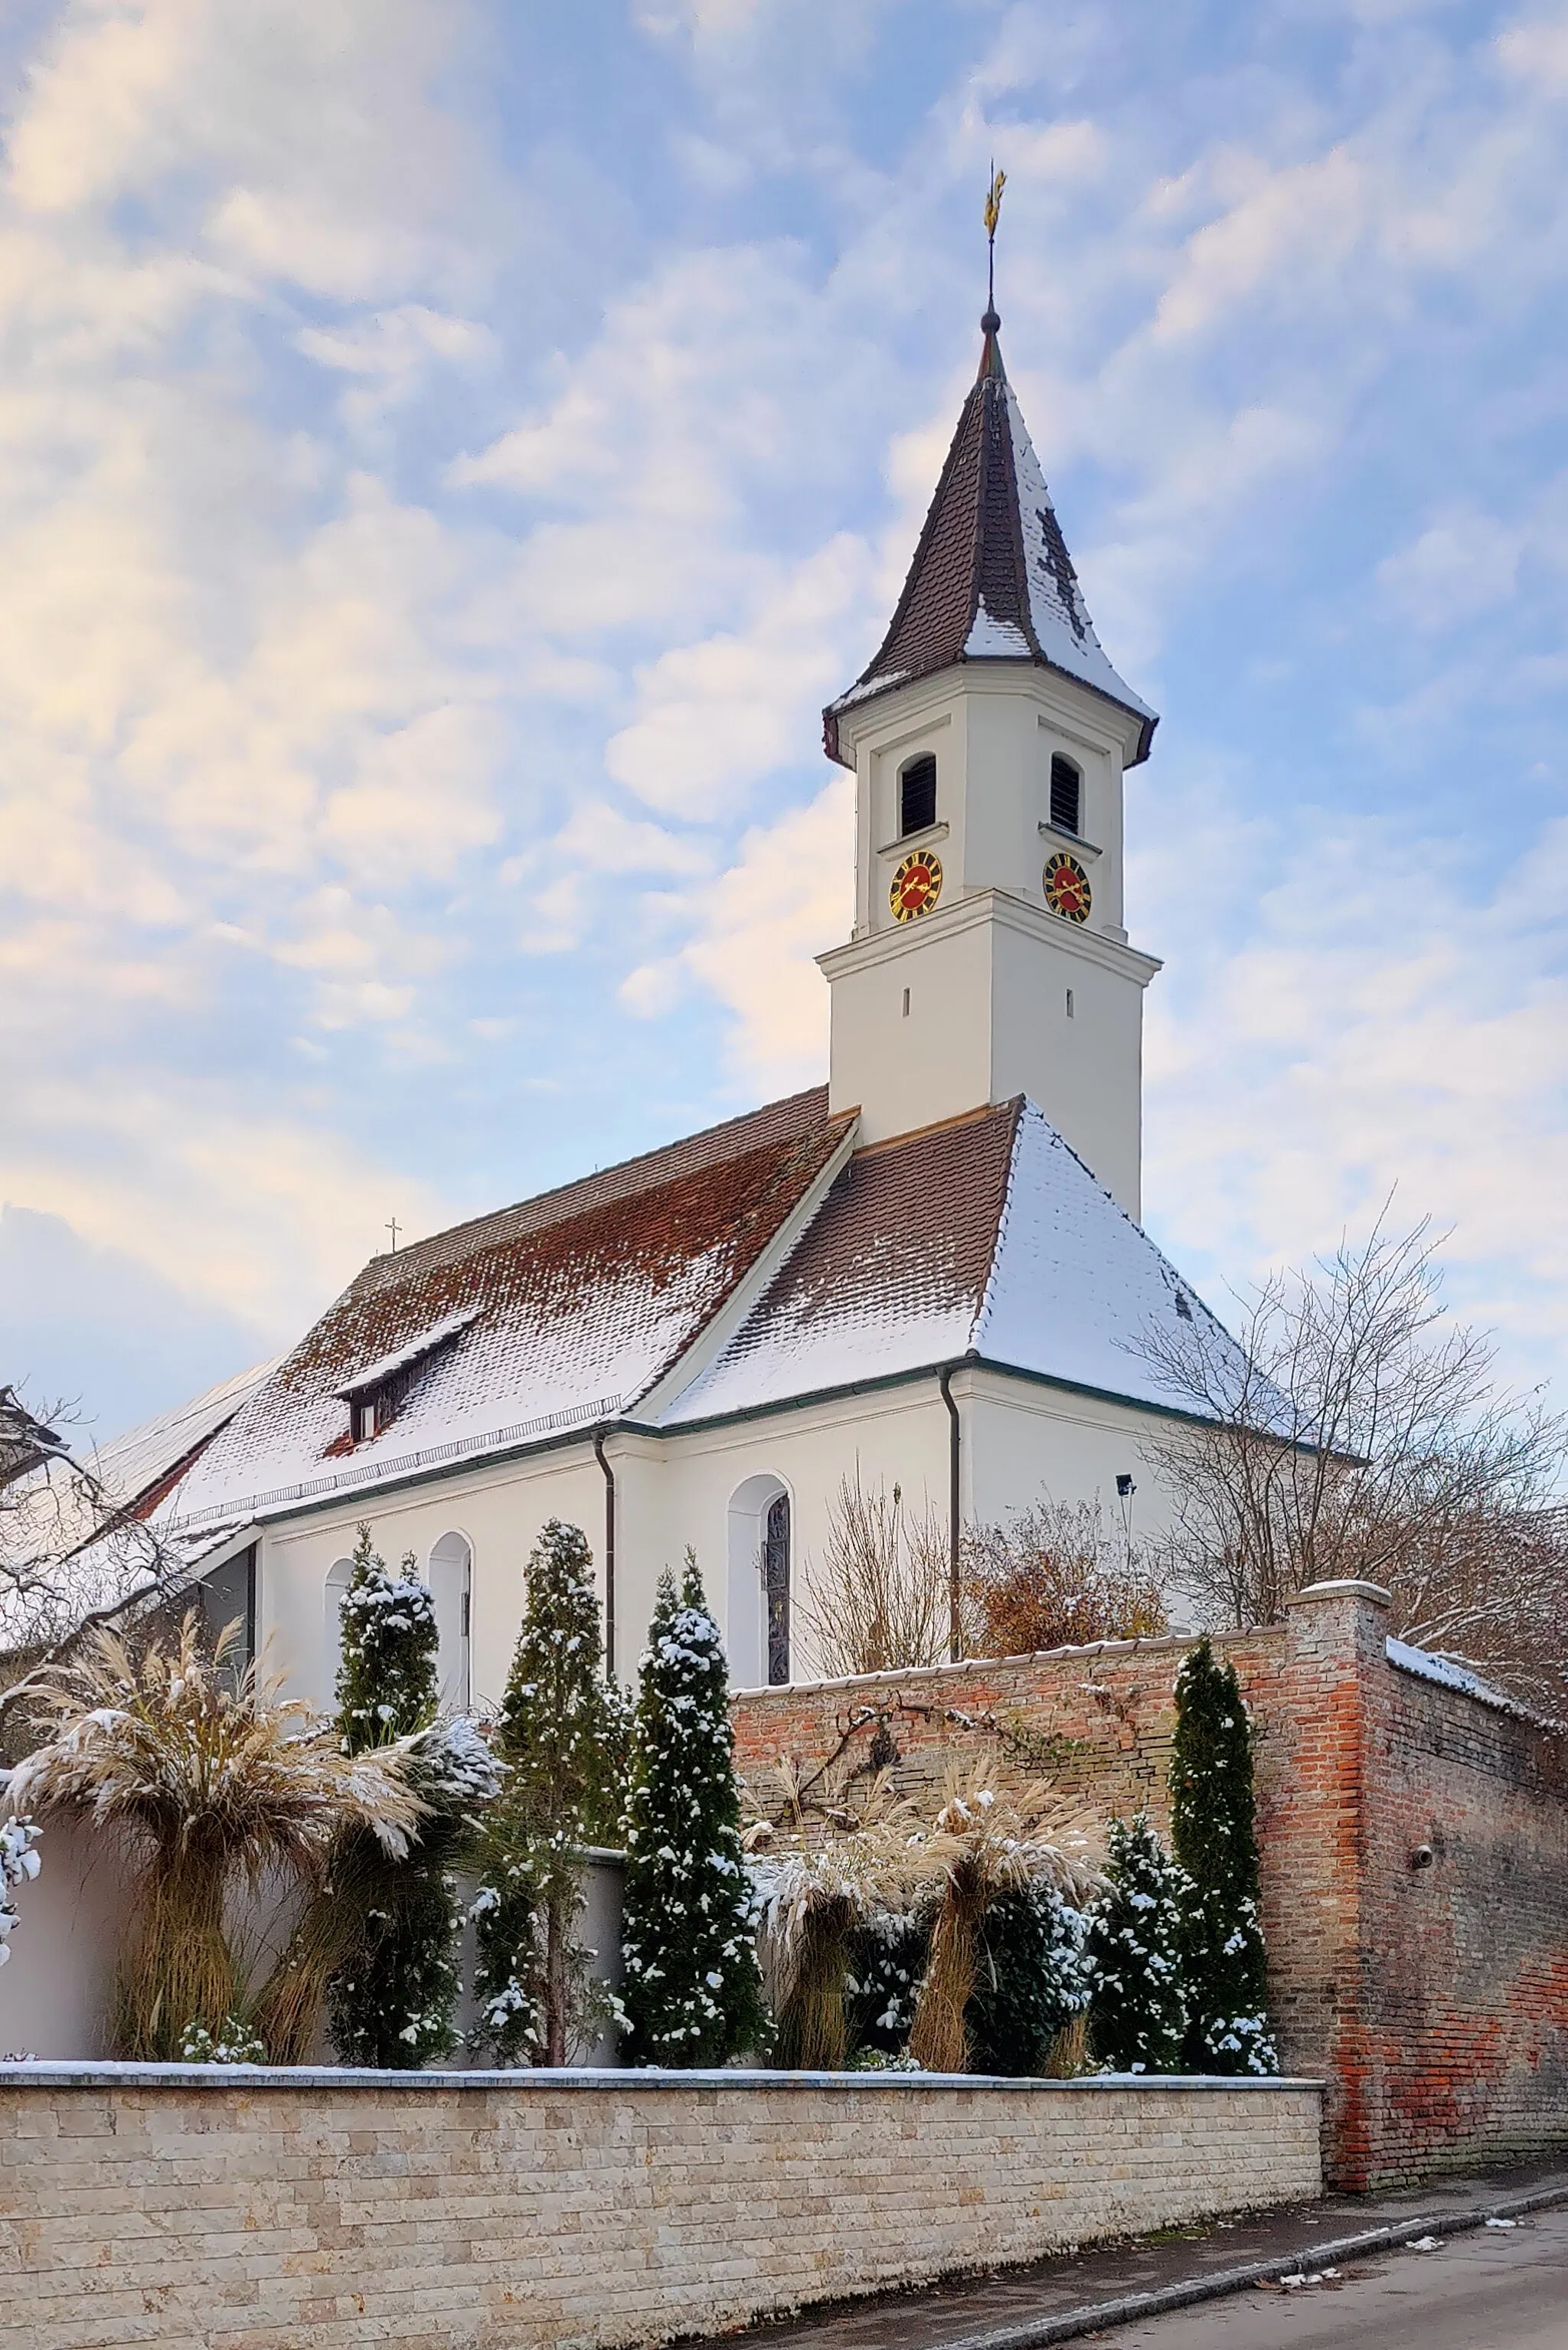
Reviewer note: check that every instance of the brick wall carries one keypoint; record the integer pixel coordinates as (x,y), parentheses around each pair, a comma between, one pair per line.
(182,2211)
(1436,1999)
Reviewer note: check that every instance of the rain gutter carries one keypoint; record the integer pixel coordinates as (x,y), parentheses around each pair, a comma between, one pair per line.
(600,1456)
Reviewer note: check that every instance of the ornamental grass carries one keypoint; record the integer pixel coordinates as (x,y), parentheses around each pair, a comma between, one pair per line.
(986,1842)
(214,1785)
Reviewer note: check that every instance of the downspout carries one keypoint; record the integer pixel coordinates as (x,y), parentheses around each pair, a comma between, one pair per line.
(609,1552)
(955,1584)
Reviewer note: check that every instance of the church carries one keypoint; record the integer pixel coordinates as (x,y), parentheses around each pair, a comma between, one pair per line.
(928,1272)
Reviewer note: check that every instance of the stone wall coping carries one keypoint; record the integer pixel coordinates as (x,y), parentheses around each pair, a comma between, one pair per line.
(1168,1643)
(619,2080)
(1347,1588)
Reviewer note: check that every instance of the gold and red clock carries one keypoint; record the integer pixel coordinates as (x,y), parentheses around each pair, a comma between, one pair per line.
(1067,891)
(915,886)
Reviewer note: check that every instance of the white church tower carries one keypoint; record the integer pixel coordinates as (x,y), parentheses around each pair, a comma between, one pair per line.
(989,738)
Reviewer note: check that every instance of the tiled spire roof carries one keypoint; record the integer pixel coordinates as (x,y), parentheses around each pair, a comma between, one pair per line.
(992,579)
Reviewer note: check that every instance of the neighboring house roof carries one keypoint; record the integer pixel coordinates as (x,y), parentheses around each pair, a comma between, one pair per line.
(561,1312)
(992,579)
(73,1537)
(986,1237)
(24,1442)
(134,1469)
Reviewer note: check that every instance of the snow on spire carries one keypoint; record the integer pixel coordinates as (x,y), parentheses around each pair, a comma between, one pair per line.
(992,579)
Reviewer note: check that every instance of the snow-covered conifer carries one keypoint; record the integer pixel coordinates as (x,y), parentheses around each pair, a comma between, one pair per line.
(1132,1957)
(692,1993)
(1030,1980)
(1215,1842)
(387,1676)
(391,2001)
(561,1735)
(19,1866)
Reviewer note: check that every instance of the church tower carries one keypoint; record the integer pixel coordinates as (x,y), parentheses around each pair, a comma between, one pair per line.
(989,738)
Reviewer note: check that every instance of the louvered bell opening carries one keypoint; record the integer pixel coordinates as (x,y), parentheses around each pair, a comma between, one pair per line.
(916,795)
(1066,793)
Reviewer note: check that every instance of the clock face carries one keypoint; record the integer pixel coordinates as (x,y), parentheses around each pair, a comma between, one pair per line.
(916,887)
(1067,891)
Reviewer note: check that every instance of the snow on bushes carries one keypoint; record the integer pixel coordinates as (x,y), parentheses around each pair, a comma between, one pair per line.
(1214,1839)
(19,1866)
(692,1990)
(1132,1957)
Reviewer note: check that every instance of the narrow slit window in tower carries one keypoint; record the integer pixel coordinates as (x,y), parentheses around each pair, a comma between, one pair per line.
(1066,792)
(918,795)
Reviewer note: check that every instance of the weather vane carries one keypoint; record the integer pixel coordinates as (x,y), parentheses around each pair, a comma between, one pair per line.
(992,214)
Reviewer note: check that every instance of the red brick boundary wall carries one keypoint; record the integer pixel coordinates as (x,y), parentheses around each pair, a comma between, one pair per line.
(1413,1842)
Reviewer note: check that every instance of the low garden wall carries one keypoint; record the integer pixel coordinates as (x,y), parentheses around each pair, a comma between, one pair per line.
(189,2209)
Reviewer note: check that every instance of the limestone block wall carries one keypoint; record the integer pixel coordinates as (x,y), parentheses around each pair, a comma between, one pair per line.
(182,2209)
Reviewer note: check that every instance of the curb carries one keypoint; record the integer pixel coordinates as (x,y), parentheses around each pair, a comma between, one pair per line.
(1095,2317)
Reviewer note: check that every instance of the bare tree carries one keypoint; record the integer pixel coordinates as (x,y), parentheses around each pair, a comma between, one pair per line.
(71,1554)
(1356,1430)
(1056,1577)
(879,1598)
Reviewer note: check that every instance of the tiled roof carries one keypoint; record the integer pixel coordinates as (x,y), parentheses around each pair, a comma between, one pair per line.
(992,578)
(986,1236)
(95,1530)
(563,1310)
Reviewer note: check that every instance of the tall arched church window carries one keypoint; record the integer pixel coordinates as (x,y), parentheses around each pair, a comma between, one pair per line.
(338,1579)
(917,794)
(452,1589)
(1066,794)
(775,1586)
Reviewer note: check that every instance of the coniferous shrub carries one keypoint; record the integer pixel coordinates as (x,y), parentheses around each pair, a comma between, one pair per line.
(1133,1955)
(691,1991)
(888,1955)
(1215,1843)
(1030,1982)
(391,1997)
(561,1735)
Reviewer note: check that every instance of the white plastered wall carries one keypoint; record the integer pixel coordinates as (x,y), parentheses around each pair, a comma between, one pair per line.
(968,1004)
(1020,1439)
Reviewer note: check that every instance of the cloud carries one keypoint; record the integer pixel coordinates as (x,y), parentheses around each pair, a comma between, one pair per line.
(756,934)
(714,717)
(1378,1026)
(95,1326)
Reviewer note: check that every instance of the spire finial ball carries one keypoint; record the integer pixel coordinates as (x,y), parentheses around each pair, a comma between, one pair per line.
(990,322)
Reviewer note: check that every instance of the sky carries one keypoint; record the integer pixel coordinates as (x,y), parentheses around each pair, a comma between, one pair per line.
(450,449)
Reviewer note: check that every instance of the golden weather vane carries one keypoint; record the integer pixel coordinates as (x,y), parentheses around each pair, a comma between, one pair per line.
(992,214)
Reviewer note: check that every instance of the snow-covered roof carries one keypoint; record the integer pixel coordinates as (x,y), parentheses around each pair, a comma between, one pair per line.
(136,1463)
(985,1237)
(403,1358)
(992,579)
(555,1314)
(71,1542)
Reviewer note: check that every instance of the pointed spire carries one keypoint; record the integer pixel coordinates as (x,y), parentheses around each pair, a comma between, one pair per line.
(992,579)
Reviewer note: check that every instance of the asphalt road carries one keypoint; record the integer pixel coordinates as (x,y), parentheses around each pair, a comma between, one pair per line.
(1497,2289)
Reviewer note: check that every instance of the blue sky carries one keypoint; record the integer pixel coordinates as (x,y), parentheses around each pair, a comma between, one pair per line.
(449,452)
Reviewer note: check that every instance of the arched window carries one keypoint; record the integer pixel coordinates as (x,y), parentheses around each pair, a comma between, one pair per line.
(332,1597)
(917,794)
(452,1589)
(775,1586)
(757,1588)
(1066,793)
